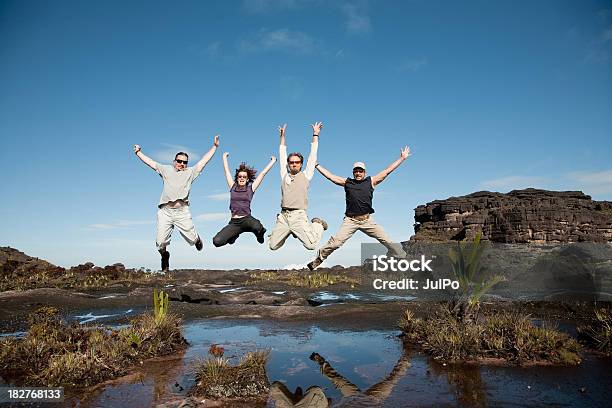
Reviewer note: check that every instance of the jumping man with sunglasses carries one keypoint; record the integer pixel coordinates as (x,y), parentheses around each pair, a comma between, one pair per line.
(173,207)
(293,219)
(359,192)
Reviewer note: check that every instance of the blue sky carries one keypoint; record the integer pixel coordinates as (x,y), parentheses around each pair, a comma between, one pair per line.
(488,95)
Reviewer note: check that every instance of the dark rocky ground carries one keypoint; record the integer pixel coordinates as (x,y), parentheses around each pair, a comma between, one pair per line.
(263,294)
(579,277)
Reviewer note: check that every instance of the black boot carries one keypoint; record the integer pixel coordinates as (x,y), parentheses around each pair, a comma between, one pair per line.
(165,259)
(260,236)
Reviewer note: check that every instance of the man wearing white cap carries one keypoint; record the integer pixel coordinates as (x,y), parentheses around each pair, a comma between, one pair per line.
(359,192)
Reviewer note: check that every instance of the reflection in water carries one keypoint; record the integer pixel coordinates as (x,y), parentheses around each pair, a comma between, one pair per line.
(360,359)
(352,395)
(466,380)
(152,384)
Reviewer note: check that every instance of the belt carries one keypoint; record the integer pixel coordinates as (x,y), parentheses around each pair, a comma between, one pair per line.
(288,209)
(362,217)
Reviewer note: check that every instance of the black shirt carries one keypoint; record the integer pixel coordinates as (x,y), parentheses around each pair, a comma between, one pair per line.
(358,196)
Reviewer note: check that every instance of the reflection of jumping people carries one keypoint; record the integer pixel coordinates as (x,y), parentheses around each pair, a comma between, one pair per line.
(174,202)
(242,187)
(293,219)
(359,193)
(353,396)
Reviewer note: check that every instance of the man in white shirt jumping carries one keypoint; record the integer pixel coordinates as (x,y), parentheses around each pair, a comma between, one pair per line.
(173,207)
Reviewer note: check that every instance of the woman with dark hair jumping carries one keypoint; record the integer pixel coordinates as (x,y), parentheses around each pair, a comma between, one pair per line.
(242,187)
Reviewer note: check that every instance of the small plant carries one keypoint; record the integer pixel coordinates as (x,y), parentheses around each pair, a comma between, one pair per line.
(599,333)
(472,283)
(217,378)
(53,353)
(216,350)
(160,304)
(509,336)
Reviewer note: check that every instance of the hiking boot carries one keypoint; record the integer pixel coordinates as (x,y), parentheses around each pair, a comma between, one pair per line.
(165,260)
(260,236)
(320,221)
(315,263)
(199,244)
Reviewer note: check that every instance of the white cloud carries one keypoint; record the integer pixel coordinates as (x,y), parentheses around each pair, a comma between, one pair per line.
(504,184)
(283,39)
(597,56)
(102,226)
(218,216)
(292,87)
(120,224)
(269,6)
(357,20)
(213,49)
(589,182)
(219,197)
(599,182)
(413,65)
(601,177)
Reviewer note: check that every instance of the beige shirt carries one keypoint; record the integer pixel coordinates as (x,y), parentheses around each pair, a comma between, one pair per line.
(294,188)
(177,183)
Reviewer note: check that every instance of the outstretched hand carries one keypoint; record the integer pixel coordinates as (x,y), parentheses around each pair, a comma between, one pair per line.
(405,152)
(225,155)
(316,128)
(281,130)
(216,141)
(136,148)
(272,159)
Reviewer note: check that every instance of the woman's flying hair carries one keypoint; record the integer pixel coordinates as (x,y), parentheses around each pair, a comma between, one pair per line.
(250,171)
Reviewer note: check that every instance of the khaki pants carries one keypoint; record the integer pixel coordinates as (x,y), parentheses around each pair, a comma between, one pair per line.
(168,218)
(369,227)
(295,222)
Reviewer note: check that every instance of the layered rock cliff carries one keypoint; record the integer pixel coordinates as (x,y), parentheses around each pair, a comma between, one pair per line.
(520,216)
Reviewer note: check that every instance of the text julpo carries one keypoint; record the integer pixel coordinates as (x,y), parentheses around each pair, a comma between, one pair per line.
(383,263)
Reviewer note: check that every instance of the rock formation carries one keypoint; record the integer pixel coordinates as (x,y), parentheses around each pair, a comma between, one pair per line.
(520,216)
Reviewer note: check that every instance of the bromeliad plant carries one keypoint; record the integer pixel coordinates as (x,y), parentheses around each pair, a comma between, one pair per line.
(160,305)
(465,260)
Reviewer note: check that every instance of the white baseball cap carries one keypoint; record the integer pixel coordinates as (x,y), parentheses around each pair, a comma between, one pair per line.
(360,165)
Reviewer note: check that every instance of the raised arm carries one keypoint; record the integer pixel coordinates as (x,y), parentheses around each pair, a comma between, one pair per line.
(404,153)
(208,155)
(314,147)
(330,176)
(263,173)
(228,174)
(145,159)
(282,151)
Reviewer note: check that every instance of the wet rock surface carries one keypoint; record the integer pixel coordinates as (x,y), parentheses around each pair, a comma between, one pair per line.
(520,216)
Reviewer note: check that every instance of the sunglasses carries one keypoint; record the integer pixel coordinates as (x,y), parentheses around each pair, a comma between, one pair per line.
(295,162)
(243,177)
(181,161)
